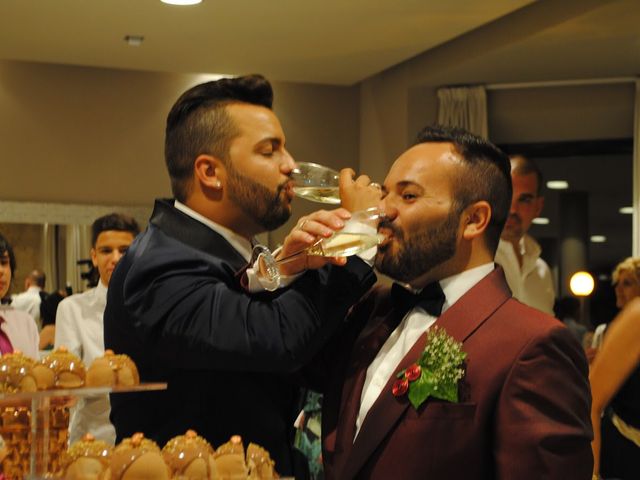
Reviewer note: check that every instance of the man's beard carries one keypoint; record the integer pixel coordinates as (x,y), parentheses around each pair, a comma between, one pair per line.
(422,252)
(260,204)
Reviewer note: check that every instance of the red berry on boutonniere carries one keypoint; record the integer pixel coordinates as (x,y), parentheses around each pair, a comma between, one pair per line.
(400,387)
(413,372)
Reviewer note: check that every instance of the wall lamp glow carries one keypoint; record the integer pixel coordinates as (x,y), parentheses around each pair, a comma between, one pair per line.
(557,184)
(581,284)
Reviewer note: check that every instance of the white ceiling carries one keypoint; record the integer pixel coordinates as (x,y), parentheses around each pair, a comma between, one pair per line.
(318,41)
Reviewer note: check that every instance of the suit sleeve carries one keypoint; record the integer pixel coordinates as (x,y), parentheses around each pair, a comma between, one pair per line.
(196,307)
(543,428)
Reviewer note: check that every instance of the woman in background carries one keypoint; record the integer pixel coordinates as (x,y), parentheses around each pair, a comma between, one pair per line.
(615,383)
(18,329)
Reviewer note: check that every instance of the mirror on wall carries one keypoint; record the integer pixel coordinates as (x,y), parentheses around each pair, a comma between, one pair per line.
(55,238)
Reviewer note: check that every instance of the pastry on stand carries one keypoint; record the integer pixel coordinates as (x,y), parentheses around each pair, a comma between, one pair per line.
(16,373)
(233,465)
(138,458)
(190,457)
(59,369)
(87,459)
(112,370)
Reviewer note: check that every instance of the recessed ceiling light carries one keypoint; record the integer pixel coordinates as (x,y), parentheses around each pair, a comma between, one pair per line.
(626,210)
(181,2)
(134,40)
(557,184)
(540,221)
(598,239)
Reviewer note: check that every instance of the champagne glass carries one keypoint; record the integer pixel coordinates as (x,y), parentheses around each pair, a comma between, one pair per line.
(360,233)
(316,183)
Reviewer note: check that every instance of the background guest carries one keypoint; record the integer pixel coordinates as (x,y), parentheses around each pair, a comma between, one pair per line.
(615,386)
(79,319)
(29,301)
(528,275)
(18,330)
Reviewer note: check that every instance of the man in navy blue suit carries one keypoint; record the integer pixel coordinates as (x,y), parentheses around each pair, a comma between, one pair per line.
(176,304)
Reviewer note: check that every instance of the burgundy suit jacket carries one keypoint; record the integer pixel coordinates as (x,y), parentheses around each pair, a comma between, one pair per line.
(524,407)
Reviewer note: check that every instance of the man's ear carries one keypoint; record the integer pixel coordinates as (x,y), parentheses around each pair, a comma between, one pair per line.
(209,171)
(475,219)
(94,257)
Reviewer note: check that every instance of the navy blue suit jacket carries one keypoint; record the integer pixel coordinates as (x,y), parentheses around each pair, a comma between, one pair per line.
(176,307)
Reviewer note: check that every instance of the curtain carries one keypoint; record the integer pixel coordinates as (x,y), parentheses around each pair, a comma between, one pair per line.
(49,255)
(464,107)
(636,174)
(77,247)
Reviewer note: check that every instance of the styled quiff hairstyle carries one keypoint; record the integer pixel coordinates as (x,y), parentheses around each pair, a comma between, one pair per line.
(629,264)
(486,175)
(199,123)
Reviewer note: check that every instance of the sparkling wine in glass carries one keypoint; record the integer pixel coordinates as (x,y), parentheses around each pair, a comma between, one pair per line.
(360,233)
(316,183)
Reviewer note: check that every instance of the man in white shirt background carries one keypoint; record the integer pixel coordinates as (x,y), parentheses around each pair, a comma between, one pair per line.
(528,275)
(29,301)
(79,319)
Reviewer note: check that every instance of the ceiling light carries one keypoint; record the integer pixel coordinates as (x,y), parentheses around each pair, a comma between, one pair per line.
(134,40)
(181,2)
(540,221)
(598,239)
(557,184)
(626,210)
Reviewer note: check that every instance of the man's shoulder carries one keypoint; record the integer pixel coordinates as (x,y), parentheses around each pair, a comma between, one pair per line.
(77,299)
(519,322)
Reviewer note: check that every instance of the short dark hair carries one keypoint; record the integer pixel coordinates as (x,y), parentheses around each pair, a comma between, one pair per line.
(486,175)
(5,247)
(526,166)
(113,221)
(199,123)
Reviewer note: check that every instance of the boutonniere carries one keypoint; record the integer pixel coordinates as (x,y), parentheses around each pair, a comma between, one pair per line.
(436,373)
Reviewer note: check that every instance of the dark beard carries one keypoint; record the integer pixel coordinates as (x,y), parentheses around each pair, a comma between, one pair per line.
(422,252)
(263,206)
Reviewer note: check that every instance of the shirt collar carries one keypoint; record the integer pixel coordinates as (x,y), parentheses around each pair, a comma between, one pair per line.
(241,244)
(457,285)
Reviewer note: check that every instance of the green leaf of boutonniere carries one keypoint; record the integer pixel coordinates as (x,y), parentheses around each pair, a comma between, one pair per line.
(437,372)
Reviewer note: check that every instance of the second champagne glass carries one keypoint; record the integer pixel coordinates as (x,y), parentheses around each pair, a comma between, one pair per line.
(360,233)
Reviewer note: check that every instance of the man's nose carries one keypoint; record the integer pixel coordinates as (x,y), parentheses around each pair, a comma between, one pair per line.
(288,163)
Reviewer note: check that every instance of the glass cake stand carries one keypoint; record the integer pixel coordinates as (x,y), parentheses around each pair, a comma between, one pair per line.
(34,426)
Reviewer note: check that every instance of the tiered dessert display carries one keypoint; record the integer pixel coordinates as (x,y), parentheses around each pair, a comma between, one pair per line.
(185,457)
(34,401)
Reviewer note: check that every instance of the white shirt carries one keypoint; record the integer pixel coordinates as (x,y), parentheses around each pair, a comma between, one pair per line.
(28,301)
(532,284)
(21,330)
(413,325)
(79,327)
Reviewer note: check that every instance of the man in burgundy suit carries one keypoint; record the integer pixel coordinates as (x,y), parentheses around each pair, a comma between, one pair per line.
(523,403)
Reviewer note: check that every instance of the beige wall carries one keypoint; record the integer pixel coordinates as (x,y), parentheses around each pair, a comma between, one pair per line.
(95,136)
(396,103)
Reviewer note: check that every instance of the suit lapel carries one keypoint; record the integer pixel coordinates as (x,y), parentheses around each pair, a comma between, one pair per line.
(364,351)
(460,321)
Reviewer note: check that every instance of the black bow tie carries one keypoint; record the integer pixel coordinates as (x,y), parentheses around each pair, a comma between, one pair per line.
(431,298)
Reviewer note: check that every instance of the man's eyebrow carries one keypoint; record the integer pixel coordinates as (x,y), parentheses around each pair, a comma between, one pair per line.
(276,141)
